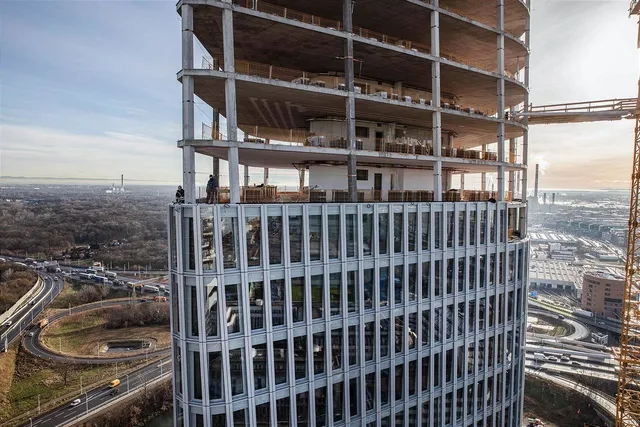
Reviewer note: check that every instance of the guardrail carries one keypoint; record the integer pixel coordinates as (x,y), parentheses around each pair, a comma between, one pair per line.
(18,305)
(37,309)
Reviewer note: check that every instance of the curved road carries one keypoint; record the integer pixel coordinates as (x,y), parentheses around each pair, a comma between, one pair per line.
(580,331)
(23,318)
(32,345)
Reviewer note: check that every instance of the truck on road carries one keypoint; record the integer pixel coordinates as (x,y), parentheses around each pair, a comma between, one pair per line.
(43,323)
(111,274)
(583,313)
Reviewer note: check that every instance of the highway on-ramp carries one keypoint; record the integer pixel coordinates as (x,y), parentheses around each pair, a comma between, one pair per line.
(23,318)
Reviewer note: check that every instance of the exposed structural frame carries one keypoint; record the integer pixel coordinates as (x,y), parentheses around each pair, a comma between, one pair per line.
(628,396)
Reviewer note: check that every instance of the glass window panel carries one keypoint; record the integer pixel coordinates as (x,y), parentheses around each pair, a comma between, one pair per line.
(438,229)
(218,420)
(215,375)
(211,309)
(368,288)
(320,404)
(236,367)
(383,233)
(172,242)
(192,302)
(399,382)
(300,356)
(178,367)
(413,279)
(483,227)
(297,298)
(336,349)
(425,373)
(317,296)
(283,411)
(492,226)
(352,291)
(461,275)
(338,402)
(426,225)
(302,409)
(262,415)
(384,337)
(472,273)
(437,370)
(450,276)
(412,230)
(240,418)
(208,240)
(426,326)
(354,397)
(334,236)
(412,332)
(234,308)
(354,350)
(473,215)
(413,377)
(437,324)
(275,240)
(399,284)
(352,235)
(462,217)
(175,304)
(189,244)
(450,228)
(384,387)
(384,286)
(260,363)
(335,293)
(295,238)
(367,234)
(256,304)
(370,381)
(197,376)
(229,231)
(319,351)
(369,341)
(398,231)
(280,361)
(315,237)
(437,278)
(278,315)
(399,333)
(426,279)
(254,239)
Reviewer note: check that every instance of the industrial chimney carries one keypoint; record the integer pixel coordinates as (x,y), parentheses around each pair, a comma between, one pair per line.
(544,198)
(553,198)
(122,182)
(535,191)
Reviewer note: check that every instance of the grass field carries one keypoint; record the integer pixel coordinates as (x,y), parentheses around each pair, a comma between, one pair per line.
(70,295)
(80,335)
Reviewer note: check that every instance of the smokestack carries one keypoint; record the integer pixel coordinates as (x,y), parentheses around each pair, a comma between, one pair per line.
(553,198)
(544,198)
(535,191)
(122,182)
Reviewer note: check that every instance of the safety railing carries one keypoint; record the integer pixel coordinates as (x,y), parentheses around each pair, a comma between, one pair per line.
(271,194)
(395,41)
(362,86)
(613,105)
(288,13)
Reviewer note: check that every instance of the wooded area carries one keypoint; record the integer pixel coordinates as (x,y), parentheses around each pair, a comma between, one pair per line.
(15,281)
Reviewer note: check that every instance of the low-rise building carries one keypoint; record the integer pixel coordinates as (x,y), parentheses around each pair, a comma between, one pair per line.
(556,276)
(602,293)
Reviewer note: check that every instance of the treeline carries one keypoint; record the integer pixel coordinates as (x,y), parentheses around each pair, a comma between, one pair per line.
(138,411)
(15,281)
(51,228)
(85,294)
(141,314)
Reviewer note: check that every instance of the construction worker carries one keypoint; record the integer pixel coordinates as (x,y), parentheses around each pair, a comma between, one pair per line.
(212,190)
(180,194)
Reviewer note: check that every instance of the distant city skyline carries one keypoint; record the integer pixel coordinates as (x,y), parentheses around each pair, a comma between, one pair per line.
(89,90)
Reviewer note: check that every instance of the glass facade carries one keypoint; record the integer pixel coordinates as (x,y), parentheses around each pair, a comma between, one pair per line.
(380,313)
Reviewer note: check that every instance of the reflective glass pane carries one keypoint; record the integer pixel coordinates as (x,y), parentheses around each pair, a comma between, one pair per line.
(254,239)
(315,237)
(229,231)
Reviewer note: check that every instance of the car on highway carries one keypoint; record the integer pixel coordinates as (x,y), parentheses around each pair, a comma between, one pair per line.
(8,323)
(552,359)
(31,334)
(75,402)
(114,392)
(574,363)
(55,279)
(565,359)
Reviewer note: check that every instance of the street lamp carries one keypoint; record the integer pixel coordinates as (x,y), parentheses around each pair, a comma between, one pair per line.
(127,375)
(86,399)
(30,422)
(80,384)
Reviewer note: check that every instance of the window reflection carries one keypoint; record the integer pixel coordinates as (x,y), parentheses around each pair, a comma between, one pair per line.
(398,279)
(236,366)
(335,293)
(368,288)
(384,286)
(283,410)
(234,309)
(256,305)
(300,356)
(384,337)
(280,361)
(398,231)
(367,234)
(315,237)
(260,363)
(278,314)
(352,290)
(297,298)
(262,415)
(229,231)
(318,353)
(175,304)
(369,341)
(208,240)
(275,239)
(321,406)
(211,308)
(338,402)
(383,233)
(412,230)
(354,348)
(413,279)
(352,235)
(253,240)
(317,296)
(334,236)
(295,238)
(302,409)
(336,349)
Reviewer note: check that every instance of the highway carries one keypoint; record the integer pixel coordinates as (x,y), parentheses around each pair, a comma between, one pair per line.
(32,345)
(24,317)
(92,400)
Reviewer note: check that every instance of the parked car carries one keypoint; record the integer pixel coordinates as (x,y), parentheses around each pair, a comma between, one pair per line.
(75,402)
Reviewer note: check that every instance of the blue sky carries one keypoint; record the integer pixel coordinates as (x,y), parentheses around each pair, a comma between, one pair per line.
(89,90)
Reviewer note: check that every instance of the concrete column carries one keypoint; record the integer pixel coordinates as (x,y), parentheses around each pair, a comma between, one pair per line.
(447,180)
(500,95)
(246,175)
(525,139)
(266,170)
(483,175)
(188,153)
(512,174)
(230,103)
(301,174)
(350,108)
(462,181)
(435,97)
(216,161)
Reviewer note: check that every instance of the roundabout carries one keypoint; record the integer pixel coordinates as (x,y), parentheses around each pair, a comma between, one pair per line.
(91,343)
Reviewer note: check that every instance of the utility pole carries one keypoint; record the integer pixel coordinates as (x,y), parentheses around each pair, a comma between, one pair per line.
(60,343)
(116,369)
(86,400)
(38,404)
(80,384)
